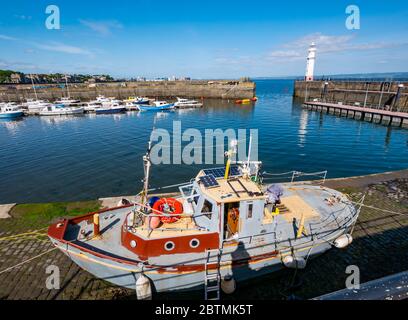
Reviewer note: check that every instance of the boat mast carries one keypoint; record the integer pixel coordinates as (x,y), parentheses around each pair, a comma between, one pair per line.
(146,164)
(66,83)
(32,82)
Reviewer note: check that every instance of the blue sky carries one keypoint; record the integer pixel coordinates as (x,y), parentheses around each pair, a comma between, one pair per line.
(203,39)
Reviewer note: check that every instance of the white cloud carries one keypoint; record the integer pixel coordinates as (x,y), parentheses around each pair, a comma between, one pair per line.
(4,37)
(326,44)
(17,65)
(52,46)
(102,27)
(64,48)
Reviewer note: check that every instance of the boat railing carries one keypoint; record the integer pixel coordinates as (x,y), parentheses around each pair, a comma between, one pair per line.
(144,212)
(344,220)
(291,176)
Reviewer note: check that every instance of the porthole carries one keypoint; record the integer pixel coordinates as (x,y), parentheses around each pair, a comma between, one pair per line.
(194,243)
(133,244)
(169,245)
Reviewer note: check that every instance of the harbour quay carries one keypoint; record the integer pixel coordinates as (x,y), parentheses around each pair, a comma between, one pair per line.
(381,102)
(216,89)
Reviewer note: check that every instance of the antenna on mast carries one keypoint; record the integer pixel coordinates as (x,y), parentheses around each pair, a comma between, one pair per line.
(229,154)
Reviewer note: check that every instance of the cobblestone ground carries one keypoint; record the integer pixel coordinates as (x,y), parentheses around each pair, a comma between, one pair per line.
(380,248)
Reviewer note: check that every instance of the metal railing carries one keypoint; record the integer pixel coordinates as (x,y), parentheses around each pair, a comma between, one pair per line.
(292,175)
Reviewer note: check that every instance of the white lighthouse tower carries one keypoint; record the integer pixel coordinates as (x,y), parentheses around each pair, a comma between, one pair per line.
(311,58)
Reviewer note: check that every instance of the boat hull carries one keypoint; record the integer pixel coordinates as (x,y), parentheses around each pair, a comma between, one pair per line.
(11,115)
(109,111)
(189,106)
(125,274)
(154,108)
(62,112)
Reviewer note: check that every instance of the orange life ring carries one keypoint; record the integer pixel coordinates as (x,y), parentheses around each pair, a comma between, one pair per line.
(173,207)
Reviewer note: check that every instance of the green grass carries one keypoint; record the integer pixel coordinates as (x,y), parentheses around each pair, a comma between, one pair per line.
(40,215)
(47,212)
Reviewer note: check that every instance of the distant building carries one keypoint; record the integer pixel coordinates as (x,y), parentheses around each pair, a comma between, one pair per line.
(15,78)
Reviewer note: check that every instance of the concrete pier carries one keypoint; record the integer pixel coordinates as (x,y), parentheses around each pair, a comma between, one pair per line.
(389,118)
(392,96)
(218,89)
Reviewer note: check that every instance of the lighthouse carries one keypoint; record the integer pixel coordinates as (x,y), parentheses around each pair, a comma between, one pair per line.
(311,58)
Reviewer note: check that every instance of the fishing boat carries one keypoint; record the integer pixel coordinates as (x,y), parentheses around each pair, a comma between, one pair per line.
(157,106)
(10,111)
(59,110)
(66,101)
(102,98)
(131,106)
(224,226)
(113,106)
(185,103)
(34,106)
(137,100)
(91,106)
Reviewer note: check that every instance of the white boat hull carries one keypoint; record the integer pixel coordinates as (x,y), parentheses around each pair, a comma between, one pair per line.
(62,112)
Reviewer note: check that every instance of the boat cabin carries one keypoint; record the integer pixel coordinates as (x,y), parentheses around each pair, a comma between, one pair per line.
(214,210)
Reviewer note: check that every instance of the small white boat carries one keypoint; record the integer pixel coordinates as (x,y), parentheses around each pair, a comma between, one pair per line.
(59,109)
(34,106)
(131,106)
(100,99)
(185,103)
(91,106)
(66,101)
(10,111)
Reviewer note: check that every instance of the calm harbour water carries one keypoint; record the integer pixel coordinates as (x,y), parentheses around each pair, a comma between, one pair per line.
(77,158)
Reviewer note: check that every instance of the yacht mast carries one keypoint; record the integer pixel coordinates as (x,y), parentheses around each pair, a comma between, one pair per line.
(32,82)
(66,83)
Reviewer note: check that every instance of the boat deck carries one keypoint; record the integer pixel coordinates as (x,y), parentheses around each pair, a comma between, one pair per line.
(109,241)
(232,190)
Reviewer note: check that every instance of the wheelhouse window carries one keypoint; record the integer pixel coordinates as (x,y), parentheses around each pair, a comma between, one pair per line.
(207,208)
(249,210)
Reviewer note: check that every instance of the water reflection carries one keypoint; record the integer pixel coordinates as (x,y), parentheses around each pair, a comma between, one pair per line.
(101,155)
(302,132)
(12,125)
(228,106)
(57,120)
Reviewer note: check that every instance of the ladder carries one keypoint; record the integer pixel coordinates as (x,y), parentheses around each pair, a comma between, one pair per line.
(212,276)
